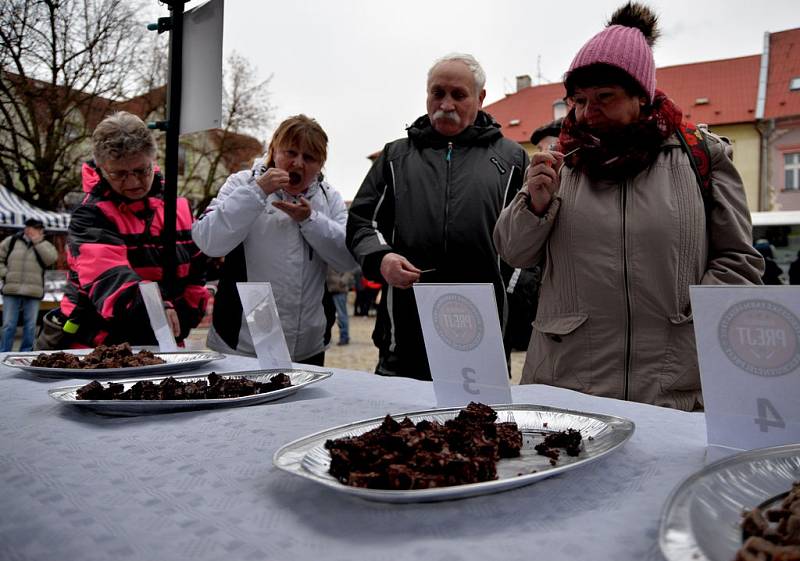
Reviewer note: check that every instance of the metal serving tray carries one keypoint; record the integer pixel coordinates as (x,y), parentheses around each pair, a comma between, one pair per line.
(602,434)
(299,378)
(175,362)
(701,517)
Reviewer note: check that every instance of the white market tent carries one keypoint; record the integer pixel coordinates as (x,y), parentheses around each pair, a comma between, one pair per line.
(14,211)
(776,218)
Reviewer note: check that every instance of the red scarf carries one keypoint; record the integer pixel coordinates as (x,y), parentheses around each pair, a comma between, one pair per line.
(622,153)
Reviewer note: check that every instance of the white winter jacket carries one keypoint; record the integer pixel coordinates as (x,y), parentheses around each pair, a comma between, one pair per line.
(242,224)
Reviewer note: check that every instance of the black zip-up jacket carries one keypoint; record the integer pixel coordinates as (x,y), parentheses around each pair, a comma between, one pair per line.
(434,200)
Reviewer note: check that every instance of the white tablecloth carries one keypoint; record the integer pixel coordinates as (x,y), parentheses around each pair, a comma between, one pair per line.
(200,485)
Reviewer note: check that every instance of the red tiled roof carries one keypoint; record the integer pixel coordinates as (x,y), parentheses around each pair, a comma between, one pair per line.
(730,85)
(144,105)
(532,106)
(784,65)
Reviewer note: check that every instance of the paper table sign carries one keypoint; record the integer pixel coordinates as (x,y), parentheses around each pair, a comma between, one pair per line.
(261,314)
(151,295)
(748,346)
(464,343)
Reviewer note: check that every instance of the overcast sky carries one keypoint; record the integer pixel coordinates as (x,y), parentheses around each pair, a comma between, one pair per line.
(359,66)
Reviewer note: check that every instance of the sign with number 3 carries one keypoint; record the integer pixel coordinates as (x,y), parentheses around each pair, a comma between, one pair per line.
(748,345)
(464,343)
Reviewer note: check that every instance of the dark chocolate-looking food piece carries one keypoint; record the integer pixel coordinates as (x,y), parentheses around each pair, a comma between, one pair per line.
(509,439)
(569,440)
(92,390)
(772,534)
(169,388)
(403,455)
(56,360)
(103,356)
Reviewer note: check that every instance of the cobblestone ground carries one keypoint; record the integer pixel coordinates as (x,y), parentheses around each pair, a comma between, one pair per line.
(360,353)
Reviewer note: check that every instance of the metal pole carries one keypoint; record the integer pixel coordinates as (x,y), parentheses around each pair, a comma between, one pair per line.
(168,238)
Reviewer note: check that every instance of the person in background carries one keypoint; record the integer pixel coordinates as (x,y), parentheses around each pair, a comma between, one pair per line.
(282,223)
(794,271)
(339,286)
(546,137)
(773,274)
(358,304)
(427,208)
(622,225)
(114,244)
(24,257)
(367,296)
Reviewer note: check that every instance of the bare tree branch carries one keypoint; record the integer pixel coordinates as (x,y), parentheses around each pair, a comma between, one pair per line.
(63,65)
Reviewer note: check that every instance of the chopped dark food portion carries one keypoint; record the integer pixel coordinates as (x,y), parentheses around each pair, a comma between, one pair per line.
(772,534)
(92,390)
(403,455)
(215,387)
(111,356)
(569,440)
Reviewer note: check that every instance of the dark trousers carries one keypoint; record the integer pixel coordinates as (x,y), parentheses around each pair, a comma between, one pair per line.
(316,360)
(365,301)
(408,365)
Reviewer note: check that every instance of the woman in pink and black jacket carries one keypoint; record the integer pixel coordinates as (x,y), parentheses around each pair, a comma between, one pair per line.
(114,243)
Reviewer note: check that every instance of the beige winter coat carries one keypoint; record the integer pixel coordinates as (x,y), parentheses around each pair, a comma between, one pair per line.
(614,315)
(20,270)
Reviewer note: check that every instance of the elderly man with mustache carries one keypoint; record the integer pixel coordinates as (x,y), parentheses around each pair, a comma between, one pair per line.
(427,208)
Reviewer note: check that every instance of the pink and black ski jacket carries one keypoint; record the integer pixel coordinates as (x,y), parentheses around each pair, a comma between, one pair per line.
(113,244)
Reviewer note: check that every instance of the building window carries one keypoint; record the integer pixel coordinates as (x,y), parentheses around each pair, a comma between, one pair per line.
(791,167)
(794,84)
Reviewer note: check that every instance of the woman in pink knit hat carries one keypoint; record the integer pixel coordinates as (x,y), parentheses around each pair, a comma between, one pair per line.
(635,206)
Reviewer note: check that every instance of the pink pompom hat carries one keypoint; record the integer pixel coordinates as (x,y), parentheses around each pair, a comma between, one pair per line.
(623,47)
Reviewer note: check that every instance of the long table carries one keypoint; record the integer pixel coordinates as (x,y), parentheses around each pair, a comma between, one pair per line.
(201,485)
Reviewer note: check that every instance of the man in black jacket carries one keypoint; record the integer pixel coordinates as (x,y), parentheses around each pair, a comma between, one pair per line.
(427,208)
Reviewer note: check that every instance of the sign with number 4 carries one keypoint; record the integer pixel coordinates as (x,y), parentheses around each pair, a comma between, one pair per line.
(748,346)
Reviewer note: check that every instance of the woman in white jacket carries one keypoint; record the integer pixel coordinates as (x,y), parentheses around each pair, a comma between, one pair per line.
(279,222)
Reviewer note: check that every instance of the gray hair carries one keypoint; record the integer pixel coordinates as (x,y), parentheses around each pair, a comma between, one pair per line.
(473,65)
(121,135)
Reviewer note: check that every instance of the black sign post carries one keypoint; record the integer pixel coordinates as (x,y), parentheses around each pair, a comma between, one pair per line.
(173,24)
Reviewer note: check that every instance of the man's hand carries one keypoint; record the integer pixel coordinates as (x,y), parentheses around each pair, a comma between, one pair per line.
(398,271)
(173,321)
(274,179)
(542,179)
(297,211)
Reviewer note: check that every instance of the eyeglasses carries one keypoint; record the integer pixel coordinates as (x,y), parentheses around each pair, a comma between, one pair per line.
(603,96)
(122,175)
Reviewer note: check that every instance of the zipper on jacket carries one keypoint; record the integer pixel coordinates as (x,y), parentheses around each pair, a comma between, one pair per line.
(498,165)
(504,318)
(448,158)
(627,366)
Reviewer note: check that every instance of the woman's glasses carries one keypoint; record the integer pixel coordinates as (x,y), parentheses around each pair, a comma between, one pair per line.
(599,96)
(122,175)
